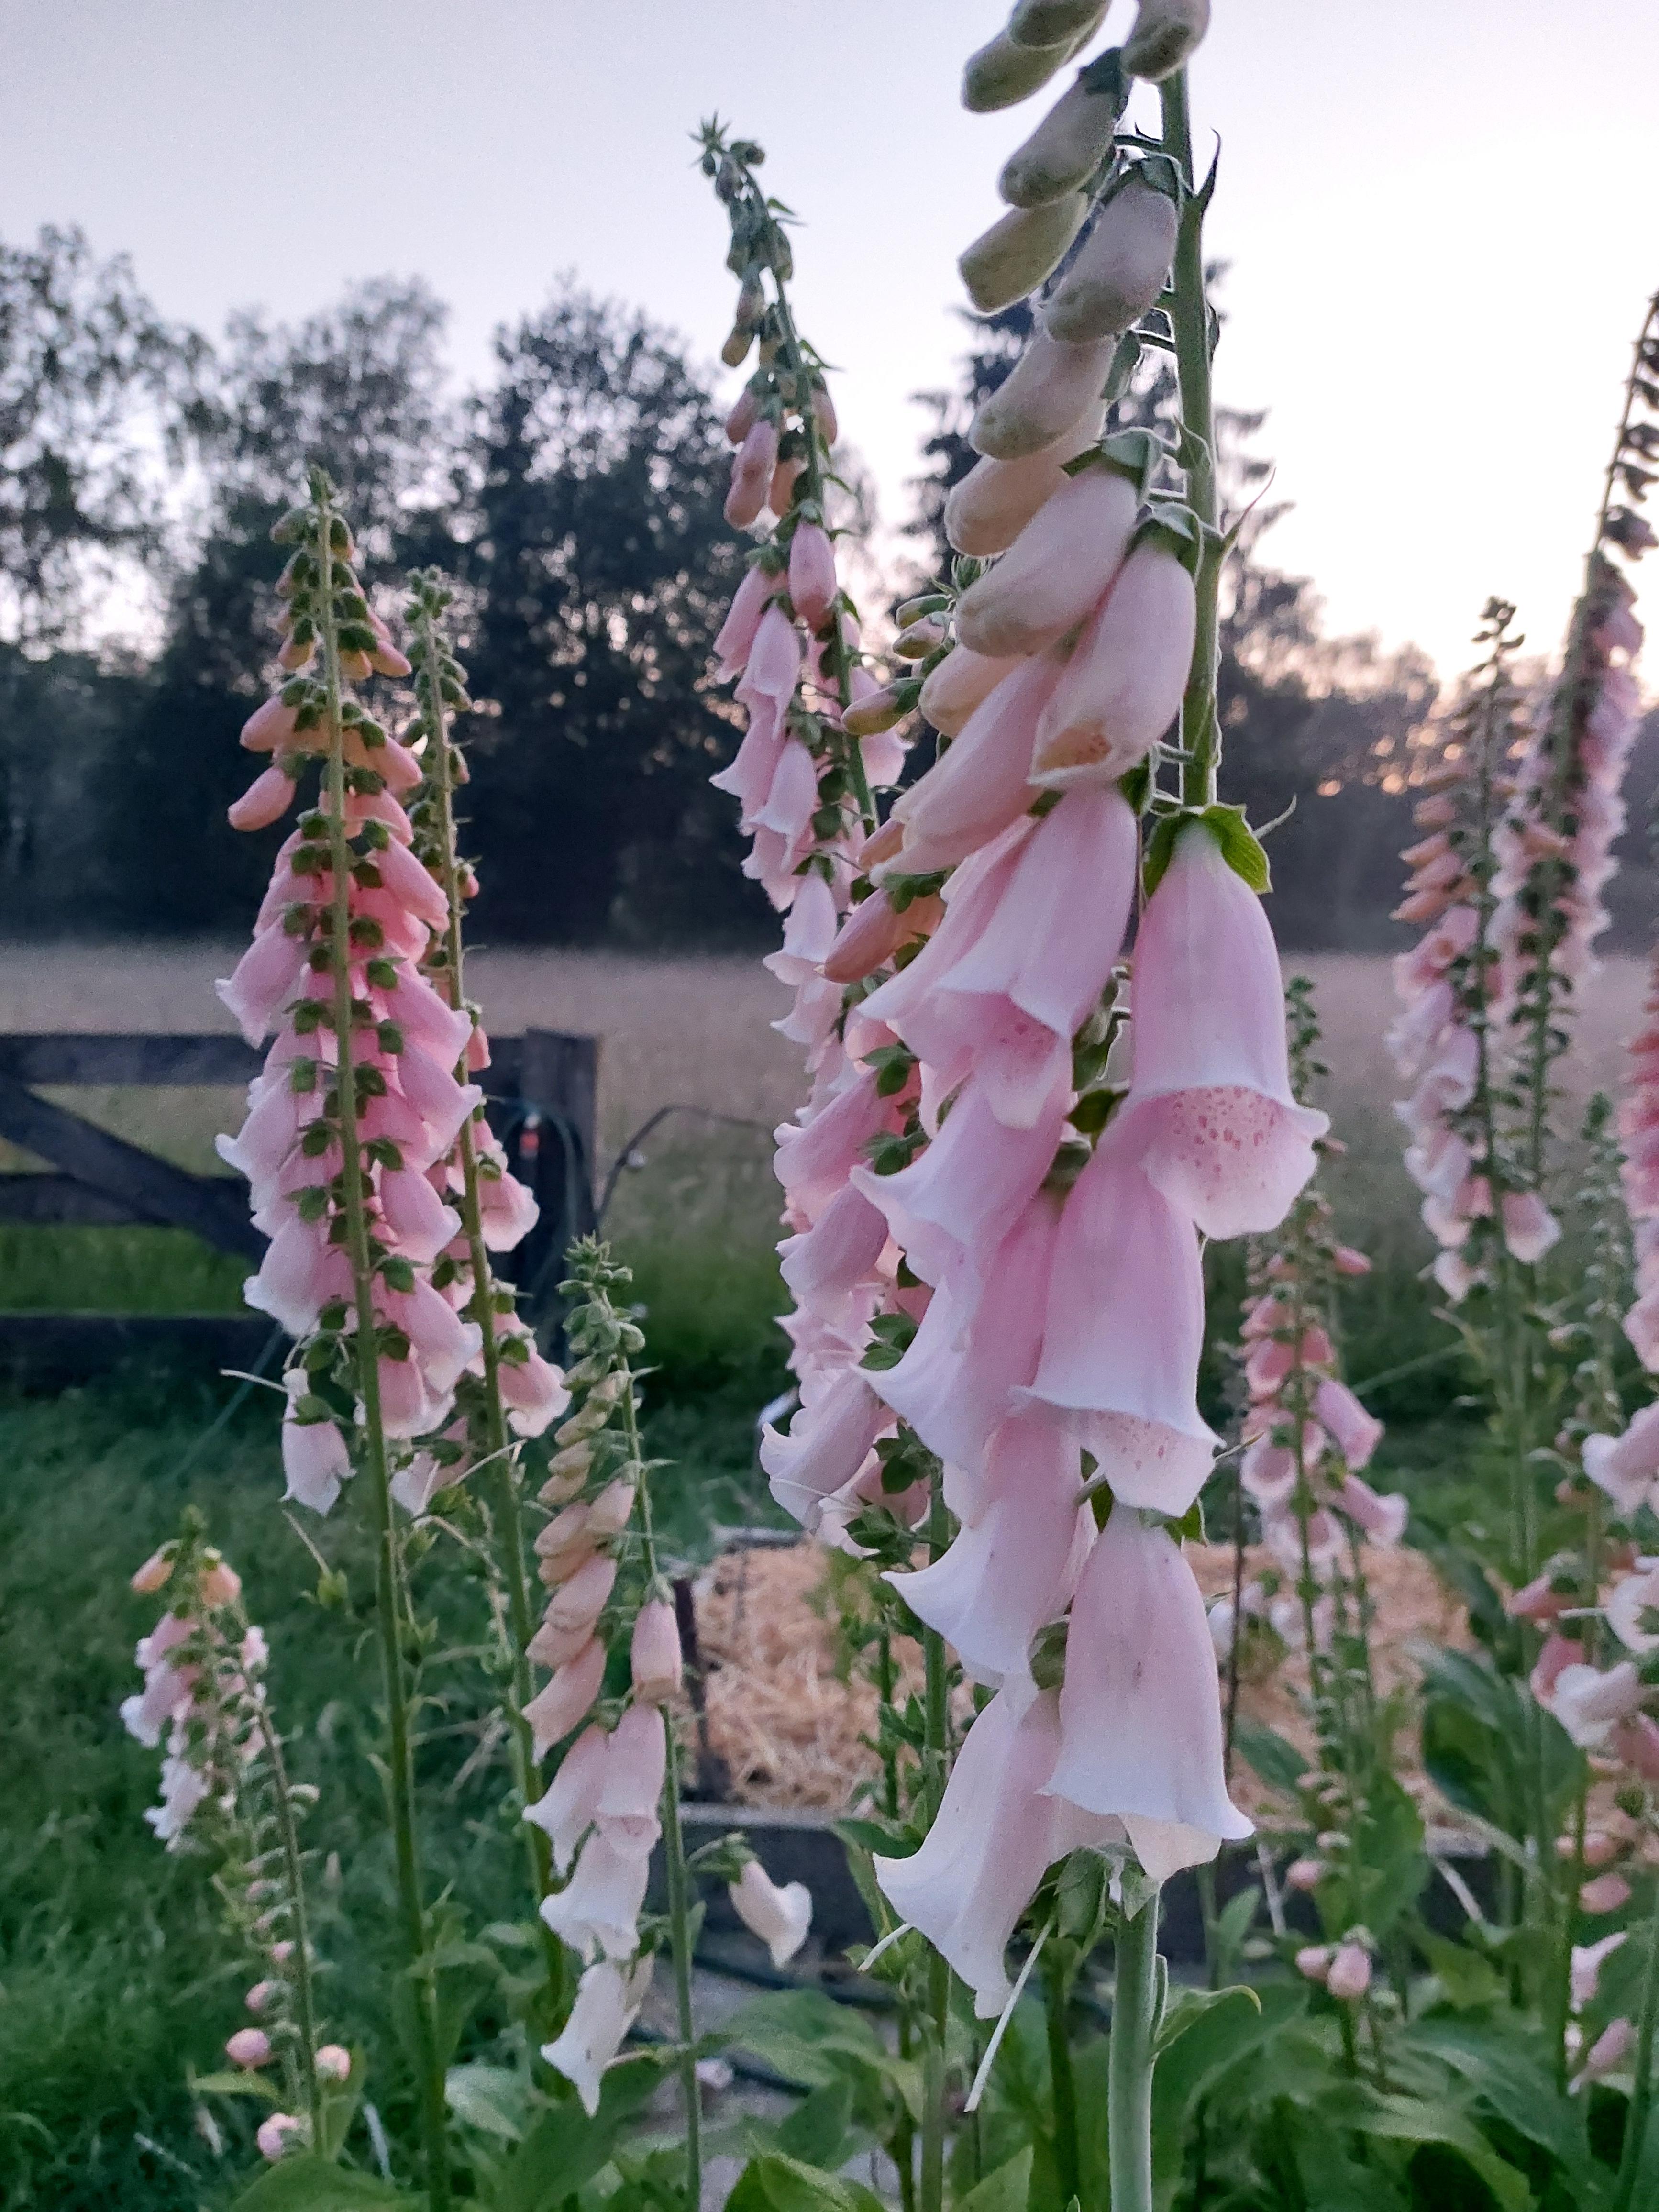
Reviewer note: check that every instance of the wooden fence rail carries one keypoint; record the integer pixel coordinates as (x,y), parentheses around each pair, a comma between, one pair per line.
(541,1090)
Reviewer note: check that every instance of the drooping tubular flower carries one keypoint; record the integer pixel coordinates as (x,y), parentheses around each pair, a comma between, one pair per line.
(225,1793)
(347,1173)
(1448,1042)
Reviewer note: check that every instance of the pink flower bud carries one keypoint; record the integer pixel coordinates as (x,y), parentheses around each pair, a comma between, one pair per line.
(249,2046)
(263,1995)
(282,1952)
(1606,1893)
(1347,1261)
(220,1584)
(278,2134)
(655,1653)
(1314,1960)
(266,799)
(558,1707)
(154,1571)
(1350,1974)
(333,2063)
(812,582)
(1305,1873)
(1608,2051)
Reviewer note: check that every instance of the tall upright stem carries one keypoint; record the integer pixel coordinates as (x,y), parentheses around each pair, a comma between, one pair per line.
(1636,2119)
(794,353)
(400,1765)
(679,1887)
(504,1475)
(1189,317)
(1129,2061)
(936,1766)
(305,2003)
(1068,2162)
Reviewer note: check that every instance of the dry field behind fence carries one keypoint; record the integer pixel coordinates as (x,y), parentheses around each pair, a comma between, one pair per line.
(696,1031)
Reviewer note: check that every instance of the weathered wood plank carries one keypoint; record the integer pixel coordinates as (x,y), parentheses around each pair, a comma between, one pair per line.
(47,1199)
(215,1208)
(173,1062)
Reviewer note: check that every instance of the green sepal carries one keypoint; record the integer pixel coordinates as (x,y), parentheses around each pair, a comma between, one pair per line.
(1241,848)
(1133,453)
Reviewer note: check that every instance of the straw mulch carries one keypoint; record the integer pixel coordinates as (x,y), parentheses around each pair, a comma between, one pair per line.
(790,1727)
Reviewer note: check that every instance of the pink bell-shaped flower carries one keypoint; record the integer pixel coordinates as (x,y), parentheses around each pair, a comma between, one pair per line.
(780,1914)
(994,1836)
(951,1209)
(980,1337)
(571,1804)
(597,1913)
(1123,1333)
(983,783)
(1031,929)
(831,1435)
(1221,1135)
(1010,1569)
(608,2001)
(1139,1712)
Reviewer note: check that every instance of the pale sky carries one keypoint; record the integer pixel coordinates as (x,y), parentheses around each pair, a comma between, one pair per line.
(1442,217)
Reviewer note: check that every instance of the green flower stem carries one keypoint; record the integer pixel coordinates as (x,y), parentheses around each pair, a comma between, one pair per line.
(1189,317)
(1636,2119)
(304,1996)
(401,1772)
(1068,2161)
(936,1769)
(679,1887)
(503,1470)
(1129,2060)
(794,353)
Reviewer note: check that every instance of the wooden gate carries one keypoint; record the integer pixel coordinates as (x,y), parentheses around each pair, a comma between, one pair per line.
(541,1090)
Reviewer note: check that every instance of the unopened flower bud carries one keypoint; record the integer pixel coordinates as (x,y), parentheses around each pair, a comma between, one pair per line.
(1064,151)
(249,2046)
(1002,74)
(1019,250)
(920,638)
(612,1510)
(1046,22)
(263,1995)
(1314,1960)
(333,2063)
(1305,1873)
(278,2134)
(220,1584)
(154,1571)
(1120,270)
(869,717)
(655,1652)
(1166,33)
(1349,1972)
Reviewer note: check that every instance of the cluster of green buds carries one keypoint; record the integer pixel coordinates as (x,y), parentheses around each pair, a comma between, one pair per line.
(595,1481)
(226,1794)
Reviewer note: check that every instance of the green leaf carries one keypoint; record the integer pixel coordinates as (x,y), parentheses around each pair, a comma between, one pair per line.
(314,2184)
(1241,848)
(1418,2120)
(565,2148)
(1272,1756)
(1466,1978)
(809,2039)
(819,2131)
(776,2183)
(238,2085)
(1008,2190)
(492,2097)
(1493,2061)
(1211,2032)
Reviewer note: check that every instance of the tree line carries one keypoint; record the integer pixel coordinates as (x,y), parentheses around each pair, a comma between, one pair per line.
(575,496)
